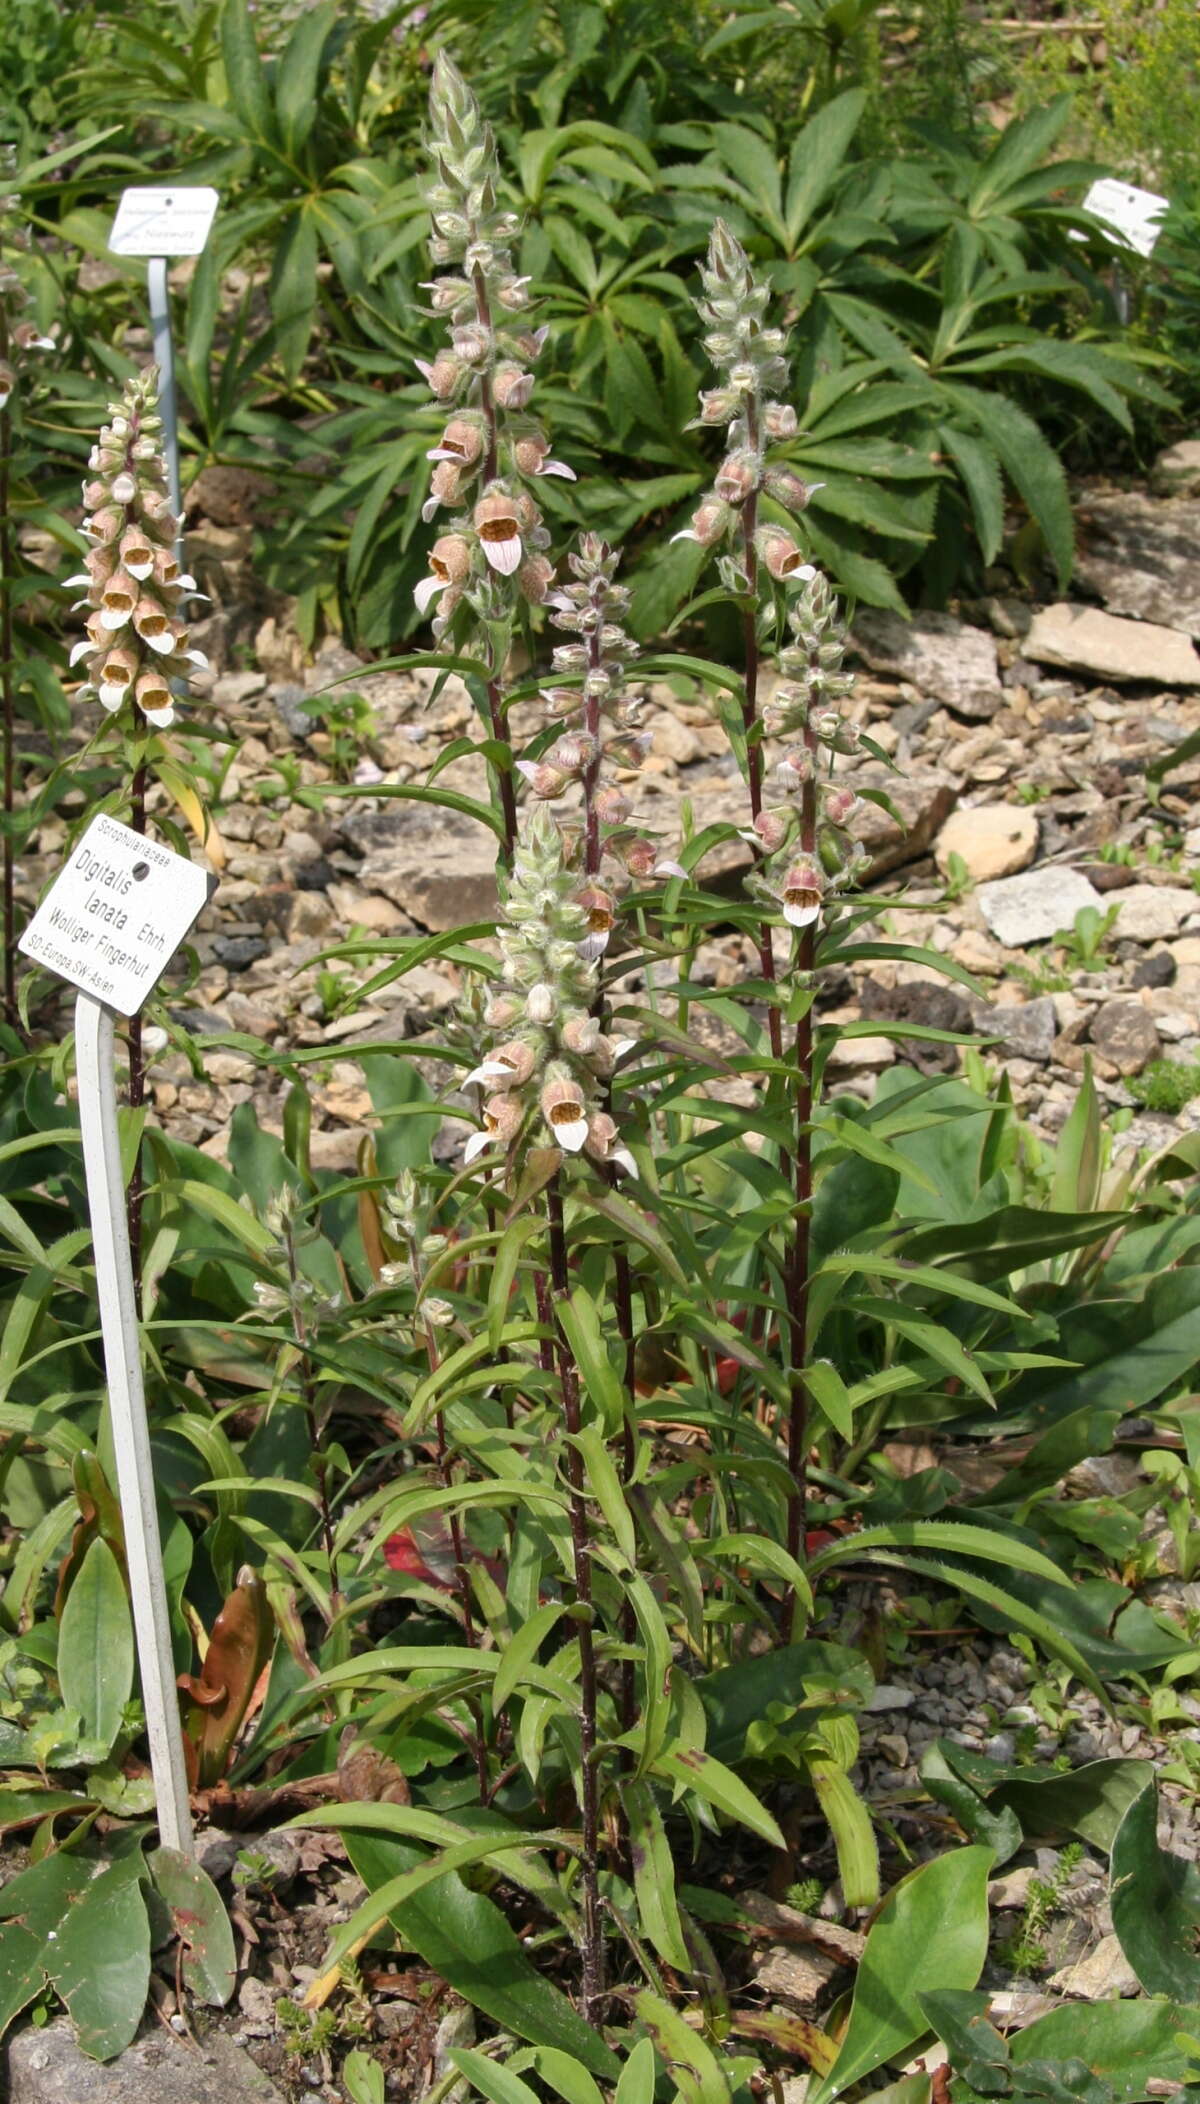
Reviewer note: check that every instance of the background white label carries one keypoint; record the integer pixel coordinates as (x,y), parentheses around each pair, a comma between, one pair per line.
(115,915)
(173,220)
(1134,216)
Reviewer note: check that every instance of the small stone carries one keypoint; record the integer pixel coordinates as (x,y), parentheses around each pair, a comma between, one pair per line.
(309,914)
(1124,1033)
(1012,1889)
(1103,1976)
(871,1052)
(800,1977)
(233,687)
(977,953)
(937,654)
(238,951)
(289,700)
(674,740)
(1035,905)
(993,840)
(1158,969)
(314,875)
(1154,912)
(1113,648)
(1026,1030)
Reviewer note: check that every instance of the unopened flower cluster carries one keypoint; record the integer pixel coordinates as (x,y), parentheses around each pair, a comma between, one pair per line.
(20,338)
(599,734)
(491,450)
(809,853)
(136,644)
(546,1069)
(749,356)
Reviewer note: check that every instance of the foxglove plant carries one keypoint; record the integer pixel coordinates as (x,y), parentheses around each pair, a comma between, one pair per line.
(491,561)
(135,646)
(749,356)
(805,854)
(20,341)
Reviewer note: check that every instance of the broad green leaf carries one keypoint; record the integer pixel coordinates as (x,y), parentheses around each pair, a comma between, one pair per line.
(998,1830)
(201,1924)
(95,1646)
(930,1933)
(579,1319)
(1155,1901)
(818,153)
(1135,2047)
(464,1938)
(22,1973)
(100,1962)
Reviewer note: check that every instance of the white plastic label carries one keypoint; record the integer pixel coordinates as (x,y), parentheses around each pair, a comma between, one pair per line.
(116,914)
(1134,216)
(173,220)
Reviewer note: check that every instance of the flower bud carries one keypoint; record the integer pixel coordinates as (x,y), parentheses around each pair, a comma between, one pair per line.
(771,829)
(545,782)
(718,405)
(574,751)
(581,1035)
(840,804)
(738,477)
(463,438)
(511,387)
(780,420)
(534,578)
(788,489)
(444,375)
(501,1011)
(603,1143)
(541,1004)
(610,806)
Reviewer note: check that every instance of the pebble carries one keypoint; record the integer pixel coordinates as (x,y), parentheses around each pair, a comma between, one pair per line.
(1033,907)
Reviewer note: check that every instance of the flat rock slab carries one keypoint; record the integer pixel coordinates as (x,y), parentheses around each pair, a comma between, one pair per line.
(940,656)
(1103,644)
(993,840)
(437,865)
(1035,905)
(47,2067)
(1142,557)
(1154,912)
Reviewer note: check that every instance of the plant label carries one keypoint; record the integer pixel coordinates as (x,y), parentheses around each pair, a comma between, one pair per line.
(173,220)
(115,916)
(1133,215)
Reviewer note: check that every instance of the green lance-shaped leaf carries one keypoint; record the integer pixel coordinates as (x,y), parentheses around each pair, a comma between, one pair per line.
(689,2059)
(930,1933)
(654,1875)
(1155,1899)
(95,1646)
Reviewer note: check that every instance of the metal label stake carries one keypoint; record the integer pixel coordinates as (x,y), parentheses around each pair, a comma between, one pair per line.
(110,925)
(164,358)
(96,1068)
(159,223)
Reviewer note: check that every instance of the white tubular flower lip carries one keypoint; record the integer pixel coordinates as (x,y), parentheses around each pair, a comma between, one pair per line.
(565,1113)
(499,531)
(478,1144)
(800,894)
(428,589)
(83,648)
(120,599)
